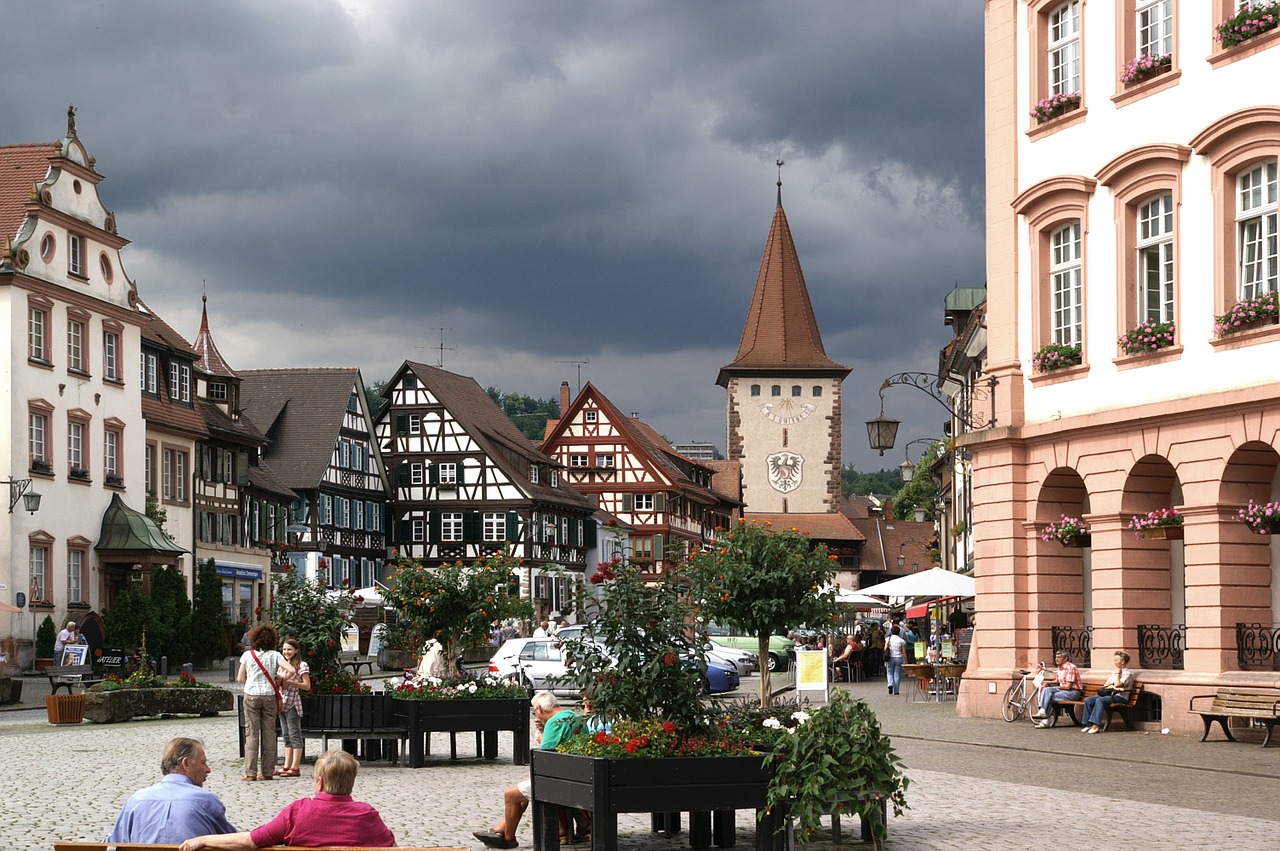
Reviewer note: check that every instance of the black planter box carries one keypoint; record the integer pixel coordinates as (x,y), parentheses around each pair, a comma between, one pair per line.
(699,786)
(486,718)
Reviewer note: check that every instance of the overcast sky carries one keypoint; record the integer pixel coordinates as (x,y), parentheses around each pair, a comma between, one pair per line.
(546,181)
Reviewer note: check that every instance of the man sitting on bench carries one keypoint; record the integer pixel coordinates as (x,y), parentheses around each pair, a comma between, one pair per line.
(332,817)
(1065,686)
(178,807)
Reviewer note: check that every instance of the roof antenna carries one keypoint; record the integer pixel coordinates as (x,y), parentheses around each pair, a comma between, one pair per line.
(780,165)
(580,364)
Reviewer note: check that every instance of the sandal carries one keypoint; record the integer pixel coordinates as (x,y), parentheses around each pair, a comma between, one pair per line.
(288,772)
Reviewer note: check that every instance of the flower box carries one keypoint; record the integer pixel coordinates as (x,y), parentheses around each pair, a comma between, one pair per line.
(1164,533)
(1261,518)
(1145,67)
(111,707)
(1052,107)
(699,786)
(1248,314)
(1251,20)
(484,717)
(1056,356)
(1077,542)
(65,708)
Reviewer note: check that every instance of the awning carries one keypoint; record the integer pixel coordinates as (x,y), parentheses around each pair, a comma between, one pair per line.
(126,530)
(919,611)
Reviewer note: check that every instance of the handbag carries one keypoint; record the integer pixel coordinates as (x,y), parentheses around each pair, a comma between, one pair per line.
(1106,691)
(272,680)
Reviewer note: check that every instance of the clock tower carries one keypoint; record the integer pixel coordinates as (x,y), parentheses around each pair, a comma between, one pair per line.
(784,392)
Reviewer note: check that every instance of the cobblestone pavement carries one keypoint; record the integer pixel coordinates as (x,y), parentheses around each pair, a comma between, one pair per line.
(975,784)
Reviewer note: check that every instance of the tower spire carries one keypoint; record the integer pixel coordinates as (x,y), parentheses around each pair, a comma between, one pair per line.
(780,165)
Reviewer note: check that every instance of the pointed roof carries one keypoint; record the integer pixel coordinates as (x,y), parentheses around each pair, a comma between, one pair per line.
(211,359)
(301,411)
(781,332)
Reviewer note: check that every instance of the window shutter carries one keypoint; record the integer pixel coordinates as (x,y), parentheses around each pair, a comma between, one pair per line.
(402,473)
(657,548)
(433,526)
(433,474)
(660,502)
(242,467)
(404,531)
(628,503)
(402,423)
(589,529)
(472,526)
(513,526)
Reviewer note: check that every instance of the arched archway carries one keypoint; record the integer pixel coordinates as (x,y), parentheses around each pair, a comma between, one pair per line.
(1252,473)
(1064,587)
(1154,594)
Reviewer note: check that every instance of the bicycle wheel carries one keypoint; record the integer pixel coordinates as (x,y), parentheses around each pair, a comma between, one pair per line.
(1013,707)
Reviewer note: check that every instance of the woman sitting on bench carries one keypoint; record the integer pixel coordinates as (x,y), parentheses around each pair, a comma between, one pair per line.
(1115,690)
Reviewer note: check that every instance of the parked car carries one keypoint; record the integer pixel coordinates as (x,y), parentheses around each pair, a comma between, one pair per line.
(722,673)
(532,662)
(718,678)
(744,661)
(779,645)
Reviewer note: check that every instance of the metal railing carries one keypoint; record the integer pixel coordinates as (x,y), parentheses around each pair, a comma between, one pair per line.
(1161,646)
(1258,646)
(1076,641)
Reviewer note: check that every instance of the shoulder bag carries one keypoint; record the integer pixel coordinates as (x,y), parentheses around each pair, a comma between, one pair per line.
(272,680)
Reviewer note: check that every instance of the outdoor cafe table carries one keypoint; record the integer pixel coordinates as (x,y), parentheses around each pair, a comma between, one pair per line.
(931,679)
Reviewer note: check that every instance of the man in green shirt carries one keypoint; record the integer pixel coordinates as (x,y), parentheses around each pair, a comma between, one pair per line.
(555,724)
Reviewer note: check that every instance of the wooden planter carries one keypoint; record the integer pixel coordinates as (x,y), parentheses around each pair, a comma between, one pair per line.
(1078,542)
(700,786)
(485,718)
(1164,533)
(65,708)
(111,707)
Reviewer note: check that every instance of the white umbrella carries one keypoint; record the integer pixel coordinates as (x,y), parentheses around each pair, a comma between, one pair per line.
(859,600)
(372,595)
(931,583)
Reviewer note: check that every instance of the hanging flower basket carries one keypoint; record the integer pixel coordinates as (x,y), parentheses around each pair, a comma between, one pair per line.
(1165,533)
(1163,524)
(1263,519)
(1069,531)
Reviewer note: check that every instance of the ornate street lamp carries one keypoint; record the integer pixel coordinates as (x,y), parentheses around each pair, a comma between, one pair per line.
(18,488)
(882,430)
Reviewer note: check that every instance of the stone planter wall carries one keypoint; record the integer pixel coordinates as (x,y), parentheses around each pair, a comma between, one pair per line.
(110,707)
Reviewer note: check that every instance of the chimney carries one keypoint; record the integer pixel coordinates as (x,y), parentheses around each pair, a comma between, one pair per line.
(564,397)
(888,509)
(919,513)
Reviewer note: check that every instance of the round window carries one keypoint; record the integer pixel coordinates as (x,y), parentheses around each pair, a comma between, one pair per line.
(108,274)
(75,185)
(46,247)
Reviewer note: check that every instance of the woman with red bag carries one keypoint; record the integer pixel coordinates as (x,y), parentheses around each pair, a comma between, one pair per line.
(261,701)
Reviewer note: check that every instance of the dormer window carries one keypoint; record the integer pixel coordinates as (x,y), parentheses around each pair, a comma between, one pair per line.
(533,474)
(218,391)
(555,478)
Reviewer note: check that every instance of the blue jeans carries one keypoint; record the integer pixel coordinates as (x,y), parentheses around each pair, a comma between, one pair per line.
(893,672)
(1052,694)
(1094,708)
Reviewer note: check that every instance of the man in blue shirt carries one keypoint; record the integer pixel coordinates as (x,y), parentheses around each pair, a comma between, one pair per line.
(177,808)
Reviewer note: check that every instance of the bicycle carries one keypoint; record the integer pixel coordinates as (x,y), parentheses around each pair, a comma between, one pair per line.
(1019,696)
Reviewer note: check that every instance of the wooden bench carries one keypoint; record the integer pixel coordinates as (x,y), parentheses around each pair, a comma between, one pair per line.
(349,718)
(1091,690)
(1259,704)
(354,662)
(135,846)
(69,676)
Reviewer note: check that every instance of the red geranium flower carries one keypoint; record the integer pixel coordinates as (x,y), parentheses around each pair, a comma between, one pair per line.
(632,746)
(602,738)
(668,727)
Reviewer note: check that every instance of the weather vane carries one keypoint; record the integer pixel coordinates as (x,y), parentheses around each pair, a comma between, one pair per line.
(780,165)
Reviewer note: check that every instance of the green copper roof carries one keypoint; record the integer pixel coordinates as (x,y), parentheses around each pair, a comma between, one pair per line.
(124,529)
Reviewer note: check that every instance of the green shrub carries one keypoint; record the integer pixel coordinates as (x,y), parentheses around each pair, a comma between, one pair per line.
(46,637)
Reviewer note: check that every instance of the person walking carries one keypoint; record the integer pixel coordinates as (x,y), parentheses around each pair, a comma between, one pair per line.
(258,665)
(295,676)
(895,654)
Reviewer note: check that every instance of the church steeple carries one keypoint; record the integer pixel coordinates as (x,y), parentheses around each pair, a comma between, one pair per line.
(781,333)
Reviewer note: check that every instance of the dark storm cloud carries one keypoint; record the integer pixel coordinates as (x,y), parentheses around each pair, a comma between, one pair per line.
(549,181)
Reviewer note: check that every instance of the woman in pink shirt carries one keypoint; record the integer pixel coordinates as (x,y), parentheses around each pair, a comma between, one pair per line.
(332,817)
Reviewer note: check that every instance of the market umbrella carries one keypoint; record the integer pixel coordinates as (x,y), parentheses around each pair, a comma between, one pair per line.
(5,607)
(372,595)
(858,600)
(936,582)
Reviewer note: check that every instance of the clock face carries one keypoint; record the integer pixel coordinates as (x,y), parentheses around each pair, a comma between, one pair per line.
(786,411)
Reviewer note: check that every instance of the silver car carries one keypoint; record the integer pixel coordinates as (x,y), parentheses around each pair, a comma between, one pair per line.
(744,661)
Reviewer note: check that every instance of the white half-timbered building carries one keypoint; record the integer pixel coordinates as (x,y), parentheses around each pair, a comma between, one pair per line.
(634,474)
(320,442)
(468,483)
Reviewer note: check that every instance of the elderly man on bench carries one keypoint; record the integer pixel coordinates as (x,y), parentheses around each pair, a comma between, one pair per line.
(1066,685)
(176,808)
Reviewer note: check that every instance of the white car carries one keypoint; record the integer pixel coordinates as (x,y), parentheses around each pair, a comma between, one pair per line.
(744,661)
(532,662)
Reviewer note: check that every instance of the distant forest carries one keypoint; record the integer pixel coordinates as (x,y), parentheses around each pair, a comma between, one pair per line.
(885,482)
(528,413)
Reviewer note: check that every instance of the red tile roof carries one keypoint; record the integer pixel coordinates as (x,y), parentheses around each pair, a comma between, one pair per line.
(781,332)
(210,358)
(20,167)
(820,527)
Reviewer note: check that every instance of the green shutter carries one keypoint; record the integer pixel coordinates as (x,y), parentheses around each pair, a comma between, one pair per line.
(433,474)
(589,530)
(433,526)
(627,502)
(404,531)
(657,548)
(402,423)
(660,502)
(513,526)
(402,473)
(472,527)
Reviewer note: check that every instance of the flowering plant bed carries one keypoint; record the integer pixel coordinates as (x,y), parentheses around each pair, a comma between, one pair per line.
(1147,337)
(1264,519)
(1051,107)
(1145,67)
(1068,531)
(1247,313)
(484,687)
(653,738)
(1055,356)
(1157,524)
(1253,19)
(142,679)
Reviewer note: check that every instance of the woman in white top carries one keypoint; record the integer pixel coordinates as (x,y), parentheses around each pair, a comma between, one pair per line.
(258,666)
(895,654)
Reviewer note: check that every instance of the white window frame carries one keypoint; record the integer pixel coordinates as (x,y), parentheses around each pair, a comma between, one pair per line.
(40,574)
(533,474)
(1065,272)
(38,436)
(579,460)
(75,345)
(605,460)
(1155,258)
(111,355)
(447,473)
(590,416)
(186,382)
(75,576)
(167,467)
(415,473)
(75,255)
(1064,49)
(415,424)
(75,446)
(642,502)
(218,391)
(111,452)
(451,526)
(495,526)
(1257,220)
(38,334)
(419,530)
(175,378)
(1154,27)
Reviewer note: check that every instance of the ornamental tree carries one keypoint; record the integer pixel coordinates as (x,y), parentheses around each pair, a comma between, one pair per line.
(310,612)
(454,604)
(763,581)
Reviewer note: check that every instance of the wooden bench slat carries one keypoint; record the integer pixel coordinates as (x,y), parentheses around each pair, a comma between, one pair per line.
(1261,704)
(1090,689)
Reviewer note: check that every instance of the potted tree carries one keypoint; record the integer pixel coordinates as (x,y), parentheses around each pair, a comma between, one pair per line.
(46,636)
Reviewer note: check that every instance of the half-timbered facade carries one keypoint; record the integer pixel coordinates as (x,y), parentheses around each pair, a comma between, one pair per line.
(633,473)
(467,483)
(320,442)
